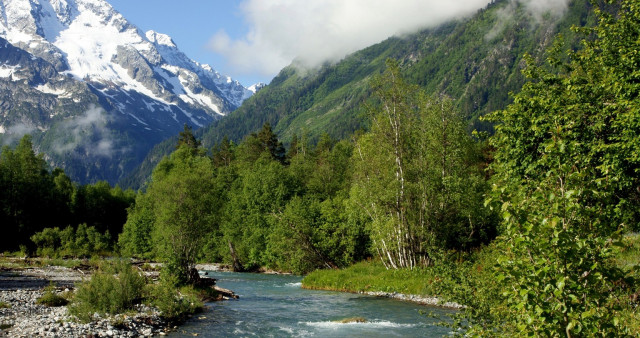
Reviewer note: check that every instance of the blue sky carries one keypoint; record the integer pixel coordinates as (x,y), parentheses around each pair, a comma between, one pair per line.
(191,24)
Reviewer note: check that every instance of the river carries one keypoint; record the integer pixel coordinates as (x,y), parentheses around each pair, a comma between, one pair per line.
(276,306)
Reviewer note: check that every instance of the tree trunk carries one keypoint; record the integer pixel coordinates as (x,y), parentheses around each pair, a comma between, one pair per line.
(236,266)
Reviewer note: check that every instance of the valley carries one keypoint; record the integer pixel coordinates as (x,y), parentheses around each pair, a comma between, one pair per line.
(487,162)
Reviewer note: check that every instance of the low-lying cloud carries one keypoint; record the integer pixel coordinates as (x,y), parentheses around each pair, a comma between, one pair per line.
(87,131)
(316,31)
(15,132)
(539,8)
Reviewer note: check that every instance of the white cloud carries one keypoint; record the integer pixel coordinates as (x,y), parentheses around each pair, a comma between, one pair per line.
(15,132)
(538,9)
(315,31)
(88,131)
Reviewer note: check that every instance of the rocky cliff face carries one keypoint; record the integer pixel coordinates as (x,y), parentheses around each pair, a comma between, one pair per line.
(96,92)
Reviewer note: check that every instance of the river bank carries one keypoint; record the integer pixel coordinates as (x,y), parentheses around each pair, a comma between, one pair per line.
(22,283)
(420,286)
(22,316)
(418,299)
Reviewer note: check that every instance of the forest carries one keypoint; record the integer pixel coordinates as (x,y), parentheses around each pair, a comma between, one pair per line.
(524,226)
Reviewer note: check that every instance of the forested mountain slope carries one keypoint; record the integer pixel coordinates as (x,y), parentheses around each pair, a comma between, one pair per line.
(475,61)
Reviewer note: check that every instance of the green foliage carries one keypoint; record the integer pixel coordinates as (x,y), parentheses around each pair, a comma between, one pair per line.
(183,198)
(263,142)
(311,233)
(187,139)
(80,242)
(416,177)
(174,303)
(112,289)
(566,177)
(51,298)
(261,189)
(25,194)
(253,206)
(101,206)
(33,198)
(5,305)
(136,237)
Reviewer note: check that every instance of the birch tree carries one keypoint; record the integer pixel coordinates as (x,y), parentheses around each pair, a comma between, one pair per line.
(414,175)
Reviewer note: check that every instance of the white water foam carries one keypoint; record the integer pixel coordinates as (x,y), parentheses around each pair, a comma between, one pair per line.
(373,324)
(239,332)
(296,285)
(295,332)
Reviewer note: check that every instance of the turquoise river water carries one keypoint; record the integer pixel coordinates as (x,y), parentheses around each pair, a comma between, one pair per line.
(276,306)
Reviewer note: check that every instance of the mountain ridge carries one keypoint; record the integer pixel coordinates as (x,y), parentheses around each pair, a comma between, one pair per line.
(476,61)
(110,92)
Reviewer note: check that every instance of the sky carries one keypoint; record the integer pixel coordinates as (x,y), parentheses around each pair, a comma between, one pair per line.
(191,24)
(251,40)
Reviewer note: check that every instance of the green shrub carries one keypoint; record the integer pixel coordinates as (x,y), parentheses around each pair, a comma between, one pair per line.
(113,289)
(175,304)
(83,241)
(5,305)
(51,298)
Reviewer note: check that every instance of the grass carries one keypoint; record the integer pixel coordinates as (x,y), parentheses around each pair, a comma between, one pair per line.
(5,305)
(12,261)
(373,276)
(628,254)
(51,298)
(627,258)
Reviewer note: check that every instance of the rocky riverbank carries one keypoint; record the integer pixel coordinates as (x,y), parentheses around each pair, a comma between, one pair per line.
(21,316)
(432,301)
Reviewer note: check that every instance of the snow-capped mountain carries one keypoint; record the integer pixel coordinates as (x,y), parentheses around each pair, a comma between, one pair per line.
(91,87)
(256,87)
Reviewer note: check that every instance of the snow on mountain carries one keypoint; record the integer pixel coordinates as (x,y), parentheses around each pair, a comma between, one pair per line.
(59,53)
(85,36)
(256,87)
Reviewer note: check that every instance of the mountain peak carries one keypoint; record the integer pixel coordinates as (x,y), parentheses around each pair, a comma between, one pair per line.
(256,87)
(160,39)
(77,53)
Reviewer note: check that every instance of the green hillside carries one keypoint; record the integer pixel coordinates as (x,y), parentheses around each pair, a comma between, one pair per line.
(476,61)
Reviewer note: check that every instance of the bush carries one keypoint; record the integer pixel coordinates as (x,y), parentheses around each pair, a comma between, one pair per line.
(112,289)
(51,298)
(83,241)
(175,304)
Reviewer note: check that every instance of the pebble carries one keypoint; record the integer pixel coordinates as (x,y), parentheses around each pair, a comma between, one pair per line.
(434,301)
(25,318)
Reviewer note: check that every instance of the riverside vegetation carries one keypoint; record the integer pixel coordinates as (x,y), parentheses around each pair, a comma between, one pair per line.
(532,228)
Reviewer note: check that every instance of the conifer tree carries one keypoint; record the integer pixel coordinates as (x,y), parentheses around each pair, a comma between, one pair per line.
(187,138)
